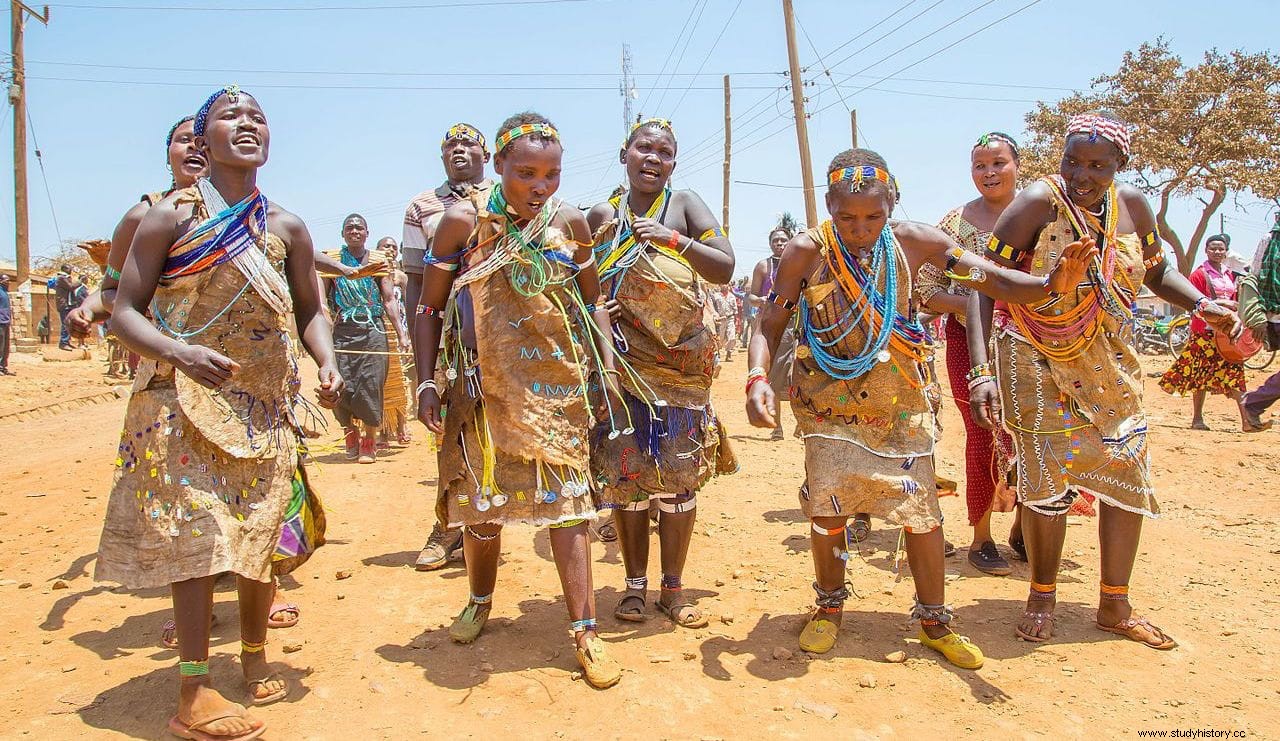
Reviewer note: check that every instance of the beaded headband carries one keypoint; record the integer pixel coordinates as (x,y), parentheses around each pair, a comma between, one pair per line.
(511,135)
(994,137)
(660,123)
(168,140)
(858,174)
(1100,126)
(464,131)
(232,92)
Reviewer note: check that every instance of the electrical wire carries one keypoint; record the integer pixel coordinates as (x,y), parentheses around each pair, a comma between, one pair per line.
(43,176)
(318,8)
(705,57)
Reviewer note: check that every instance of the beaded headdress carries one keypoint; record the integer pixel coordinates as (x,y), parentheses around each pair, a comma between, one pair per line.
(1094,126)
(232,92)
(859,175)
(993,138)
(464,131)
(511,135)
(168,140)
(661,123)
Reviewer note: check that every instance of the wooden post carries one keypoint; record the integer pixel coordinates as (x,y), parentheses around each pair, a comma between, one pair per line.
(728,150)
(18,98)
(853,123)
(802,125)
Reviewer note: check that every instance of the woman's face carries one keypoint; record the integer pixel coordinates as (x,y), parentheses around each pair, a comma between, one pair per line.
(355,232)
(530,170)
(994,170)
(186,161)
(859,216)
(236,132)
(650,159)
(1216,251)
(1089,168)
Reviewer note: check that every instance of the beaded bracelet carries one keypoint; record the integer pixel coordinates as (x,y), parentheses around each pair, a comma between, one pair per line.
(756,371)
(1045,285)
(1200,302)
(112,273)
(424,310)
(785,303)
(753,380)
(674,241)
(427,384)
(979,380)
(981,369)
(1153,261)
(953,256)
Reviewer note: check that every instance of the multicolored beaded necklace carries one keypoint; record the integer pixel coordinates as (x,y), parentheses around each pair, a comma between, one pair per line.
(1066,335)
(356,298)
(868,307)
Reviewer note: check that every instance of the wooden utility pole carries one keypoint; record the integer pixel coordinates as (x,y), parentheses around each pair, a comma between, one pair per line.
(18,99)
(853,123)
(802,125)
(728,150)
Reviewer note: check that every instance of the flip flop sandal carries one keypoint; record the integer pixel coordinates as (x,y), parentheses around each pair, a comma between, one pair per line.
(859,529)
(607,533)
(274,696)
(169,632)
(692,619)
(1041,619)
(631,615)
(196,730)
(1133,628)
(287,622)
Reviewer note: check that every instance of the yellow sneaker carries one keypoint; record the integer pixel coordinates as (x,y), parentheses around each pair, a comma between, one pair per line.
(958,649)
(600,671)
(819,634)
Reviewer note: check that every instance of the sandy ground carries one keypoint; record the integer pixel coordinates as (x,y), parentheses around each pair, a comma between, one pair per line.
(371,658)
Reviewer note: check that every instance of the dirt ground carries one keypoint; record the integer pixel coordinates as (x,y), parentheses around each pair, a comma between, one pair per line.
(371,657)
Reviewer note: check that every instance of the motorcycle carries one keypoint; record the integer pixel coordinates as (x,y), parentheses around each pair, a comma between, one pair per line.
(1153,335)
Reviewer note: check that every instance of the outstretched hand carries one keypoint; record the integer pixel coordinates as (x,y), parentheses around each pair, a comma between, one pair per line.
(1073,265)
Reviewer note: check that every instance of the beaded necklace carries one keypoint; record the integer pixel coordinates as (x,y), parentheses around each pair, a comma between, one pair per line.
(1066,335)
(356,296)
(615,258)
(868,307)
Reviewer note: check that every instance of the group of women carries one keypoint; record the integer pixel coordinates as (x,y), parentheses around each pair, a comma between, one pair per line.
(574,356)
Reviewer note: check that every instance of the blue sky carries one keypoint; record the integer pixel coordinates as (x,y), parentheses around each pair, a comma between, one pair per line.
(358,97)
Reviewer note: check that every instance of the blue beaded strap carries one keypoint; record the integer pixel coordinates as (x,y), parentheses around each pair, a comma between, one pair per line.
(582,626)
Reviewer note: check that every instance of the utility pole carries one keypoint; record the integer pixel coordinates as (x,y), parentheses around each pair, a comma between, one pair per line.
(853,123)
(802,125)
(18,99)
(728,150)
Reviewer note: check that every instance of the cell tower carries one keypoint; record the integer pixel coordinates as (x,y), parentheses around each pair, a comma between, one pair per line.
(627,89)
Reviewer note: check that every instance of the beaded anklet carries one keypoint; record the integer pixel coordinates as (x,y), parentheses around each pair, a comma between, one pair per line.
(1115,593)
(830,600)
(639,583)
(1043,591)
(581,626)
(249,647)
(671,582)
(931,614)
(482,599)
(193,668)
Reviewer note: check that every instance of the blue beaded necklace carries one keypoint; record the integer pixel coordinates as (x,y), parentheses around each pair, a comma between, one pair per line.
(356,296)
(874,303)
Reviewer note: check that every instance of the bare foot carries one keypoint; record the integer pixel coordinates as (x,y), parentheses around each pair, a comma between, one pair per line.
(1036,624)
(198,700)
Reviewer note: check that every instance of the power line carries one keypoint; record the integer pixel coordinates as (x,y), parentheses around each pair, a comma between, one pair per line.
(307,86)
(48,193)
(707,56)
(680,59)
(319,8)
(670,53)
(882,36)
(377,73)
(926,37)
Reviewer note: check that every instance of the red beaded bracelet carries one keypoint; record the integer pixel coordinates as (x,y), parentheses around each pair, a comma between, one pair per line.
(755,379)
(674,242)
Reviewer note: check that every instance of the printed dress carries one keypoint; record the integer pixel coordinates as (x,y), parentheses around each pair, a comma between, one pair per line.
(210,481)
(868,441)
(1078,424)
(516,376)
(669,441)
